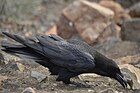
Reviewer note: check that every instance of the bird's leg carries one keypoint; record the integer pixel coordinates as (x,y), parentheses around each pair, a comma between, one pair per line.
(64,76)
(65,80)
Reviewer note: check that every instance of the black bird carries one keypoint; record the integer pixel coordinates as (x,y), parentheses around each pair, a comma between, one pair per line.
(66,59)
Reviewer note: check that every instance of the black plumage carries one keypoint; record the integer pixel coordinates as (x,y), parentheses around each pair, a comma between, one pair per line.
(66,59)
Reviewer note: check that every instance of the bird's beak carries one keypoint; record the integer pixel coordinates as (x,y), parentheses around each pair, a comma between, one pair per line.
(122,80)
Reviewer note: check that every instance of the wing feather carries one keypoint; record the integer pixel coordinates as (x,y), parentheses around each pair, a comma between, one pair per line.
(60,52)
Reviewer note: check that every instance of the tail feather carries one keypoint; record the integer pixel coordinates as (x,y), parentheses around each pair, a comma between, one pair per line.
(25,47)
(57,38)
(7,44)
(26,42)
(15,37)
(21,50)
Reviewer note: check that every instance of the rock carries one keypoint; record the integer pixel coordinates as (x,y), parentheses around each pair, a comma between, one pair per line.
(120,13)
(111,32)
(91,34)
(137,91)
(14,66)
(136,63)
(88,77)
(11,86)
(133,59)
(53,30)
(87,19)
(108,90)
(127,3)
(2,78)
(10,58)
(91,91)
(17,66)
(134,11)
(115,49)
(105,46)
(122,49)
(131,29)
(39,76)
(20,10)
(133,73)
(20,67)
(93,22)
(26,61)
(80,8)
(65,28)
(29,90)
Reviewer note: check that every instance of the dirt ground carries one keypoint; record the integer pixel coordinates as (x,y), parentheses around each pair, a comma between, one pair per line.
(17,81)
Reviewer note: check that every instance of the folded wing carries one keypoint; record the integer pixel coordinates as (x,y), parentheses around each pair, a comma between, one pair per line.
(58,51)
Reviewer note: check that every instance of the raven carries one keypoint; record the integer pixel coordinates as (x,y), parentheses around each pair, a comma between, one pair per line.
(66,59)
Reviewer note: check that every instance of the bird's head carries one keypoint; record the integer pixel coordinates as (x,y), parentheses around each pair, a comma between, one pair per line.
(112,70)
(117,75)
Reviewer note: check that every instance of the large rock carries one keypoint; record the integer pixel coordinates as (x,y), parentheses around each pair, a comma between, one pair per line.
(127,3)
(88,77)
(53,30)
(90,34)
(86,19)
(131,59)
(132,73)
(19,10)
(112,31)
(134,11)
(123,49)
(13,67)
(65,28)
(120,13)
(116,49)
(131,30)
(29,90)
(39,76)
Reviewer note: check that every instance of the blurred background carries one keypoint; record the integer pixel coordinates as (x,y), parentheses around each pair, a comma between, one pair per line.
(112,27)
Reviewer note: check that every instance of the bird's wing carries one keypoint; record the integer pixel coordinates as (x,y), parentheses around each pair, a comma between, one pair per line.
(59,51)
(66,55)
(83,46)
(55,37)
(78,42)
